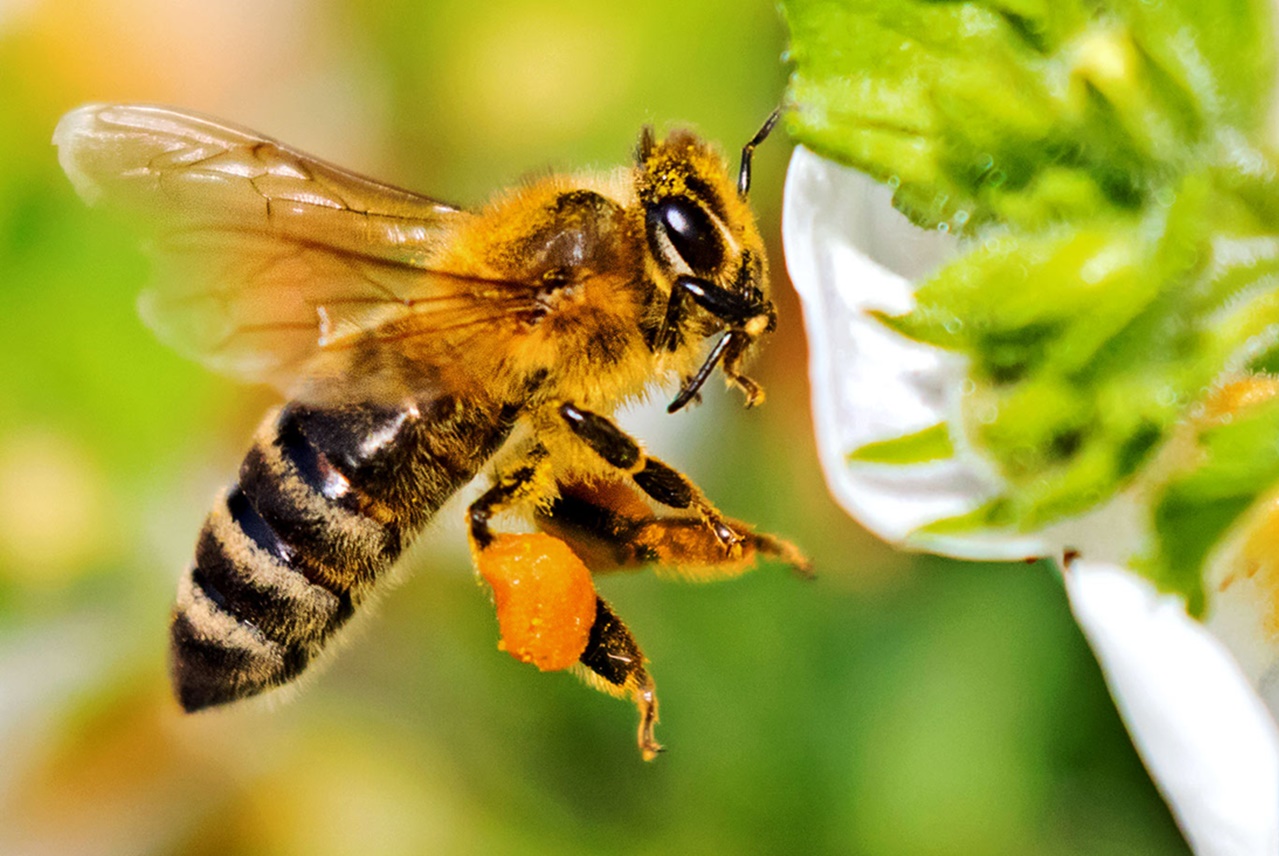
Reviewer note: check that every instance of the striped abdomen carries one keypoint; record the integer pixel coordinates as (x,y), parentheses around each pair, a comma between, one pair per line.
(327,500)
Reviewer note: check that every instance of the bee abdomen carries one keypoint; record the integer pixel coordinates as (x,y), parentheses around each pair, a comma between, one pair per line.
(246,617)
(325,503)
(230,634)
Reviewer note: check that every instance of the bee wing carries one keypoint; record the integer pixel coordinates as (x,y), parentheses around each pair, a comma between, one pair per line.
(263,255)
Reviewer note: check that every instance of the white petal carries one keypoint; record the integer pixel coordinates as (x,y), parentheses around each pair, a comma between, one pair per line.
(869,383)
(1206,737)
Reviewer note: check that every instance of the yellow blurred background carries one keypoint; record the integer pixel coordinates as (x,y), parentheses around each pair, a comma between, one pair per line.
(898,705)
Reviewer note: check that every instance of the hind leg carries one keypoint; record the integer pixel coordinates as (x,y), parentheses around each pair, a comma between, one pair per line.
(548,611)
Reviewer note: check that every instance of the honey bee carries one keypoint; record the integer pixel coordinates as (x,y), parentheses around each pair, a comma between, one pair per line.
(417,345)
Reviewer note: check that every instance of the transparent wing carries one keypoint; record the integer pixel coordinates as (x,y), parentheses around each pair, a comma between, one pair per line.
(265,256)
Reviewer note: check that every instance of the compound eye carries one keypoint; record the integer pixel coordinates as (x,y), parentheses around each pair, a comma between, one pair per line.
(690,232)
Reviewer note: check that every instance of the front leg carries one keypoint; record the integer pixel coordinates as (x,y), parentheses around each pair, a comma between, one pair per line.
(664,484)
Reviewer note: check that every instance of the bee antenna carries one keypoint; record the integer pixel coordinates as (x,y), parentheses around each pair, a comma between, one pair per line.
(693,384)
(744,175)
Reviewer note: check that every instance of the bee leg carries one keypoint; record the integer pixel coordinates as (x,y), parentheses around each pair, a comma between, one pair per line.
(661,482)
(543,593)
(510,488)
(548,611)
(613,663)
(610,527)
(734,356)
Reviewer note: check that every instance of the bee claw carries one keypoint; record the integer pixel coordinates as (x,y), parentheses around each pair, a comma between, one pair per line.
(803,570)
(754,392)
(646,701)
(785,551)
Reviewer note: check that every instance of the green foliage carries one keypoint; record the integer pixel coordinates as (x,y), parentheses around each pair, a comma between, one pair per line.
(931,444)
(1240,463)
(1105,158)
(1024,112)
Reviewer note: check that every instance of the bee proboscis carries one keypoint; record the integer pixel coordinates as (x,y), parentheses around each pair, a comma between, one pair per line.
(418,345)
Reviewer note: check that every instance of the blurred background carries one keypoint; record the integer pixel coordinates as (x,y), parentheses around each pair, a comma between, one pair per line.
(897,705)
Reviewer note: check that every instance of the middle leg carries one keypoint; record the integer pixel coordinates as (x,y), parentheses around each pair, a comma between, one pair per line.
(661,482)
(610,528)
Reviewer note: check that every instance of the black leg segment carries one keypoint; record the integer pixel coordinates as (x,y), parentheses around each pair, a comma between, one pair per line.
(664,484)
(608,441)
(732,307)
(505,491)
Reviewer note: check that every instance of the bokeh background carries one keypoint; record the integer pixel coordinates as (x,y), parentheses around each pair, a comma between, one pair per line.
(897,705)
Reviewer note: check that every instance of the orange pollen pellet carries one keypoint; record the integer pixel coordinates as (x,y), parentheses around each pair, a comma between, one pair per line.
(544,595)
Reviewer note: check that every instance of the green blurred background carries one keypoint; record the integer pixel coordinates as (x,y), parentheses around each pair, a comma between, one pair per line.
(898,705)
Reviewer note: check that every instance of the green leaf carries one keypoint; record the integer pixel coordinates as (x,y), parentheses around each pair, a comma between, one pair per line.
(931,444)
(1107,160)
(1085,345)
(1020,111)
(1238,465)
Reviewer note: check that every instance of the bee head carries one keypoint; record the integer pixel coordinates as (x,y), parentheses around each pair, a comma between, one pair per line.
(706,250)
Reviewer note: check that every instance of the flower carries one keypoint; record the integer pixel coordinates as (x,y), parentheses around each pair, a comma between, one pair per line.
(887,410)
